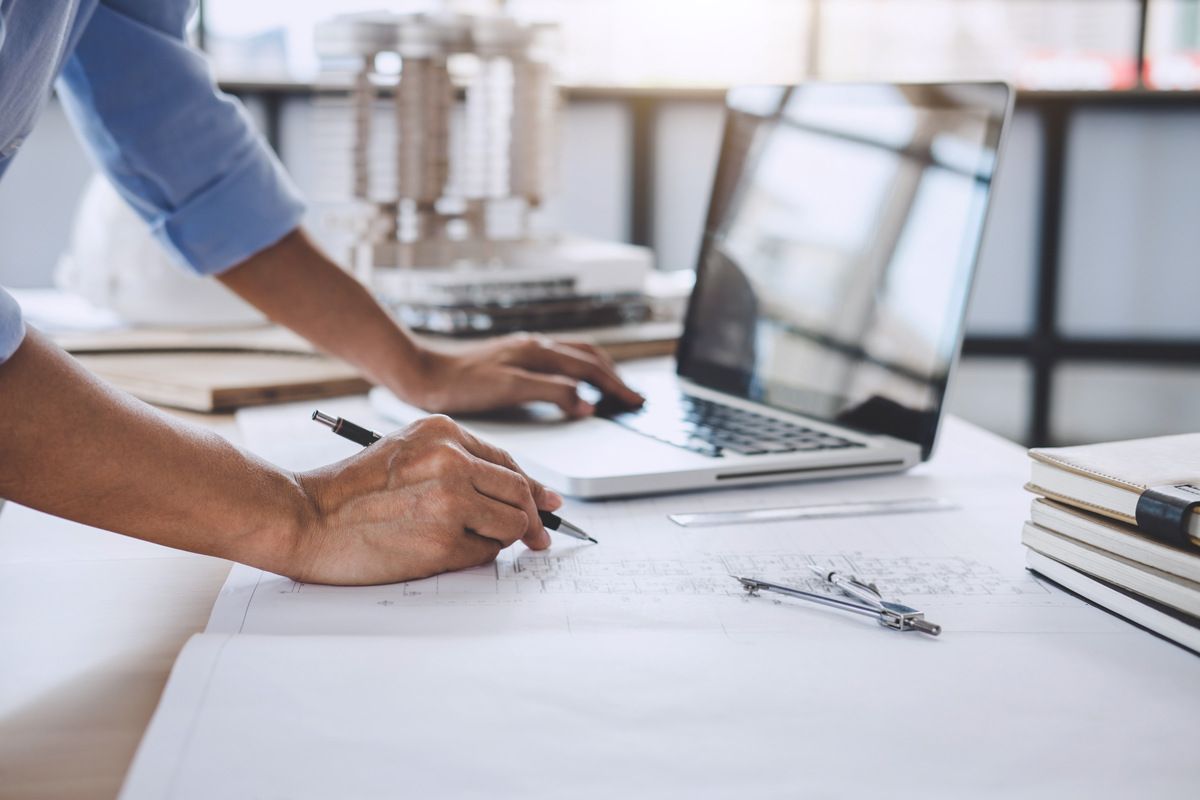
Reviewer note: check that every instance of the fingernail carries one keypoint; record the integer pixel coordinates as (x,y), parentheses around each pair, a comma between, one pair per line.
(553,497)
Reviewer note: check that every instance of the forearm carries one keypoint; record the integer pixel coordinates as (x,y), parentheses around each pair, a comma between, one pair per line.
(298,286)
(72,446)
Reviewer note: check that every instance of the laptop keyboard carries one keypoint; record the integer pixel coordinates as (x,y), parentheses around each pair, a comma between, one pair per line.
(712,429)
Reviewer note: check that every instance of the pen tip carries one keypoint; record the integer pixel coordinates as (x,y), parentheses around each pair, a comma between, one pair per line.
(593,541)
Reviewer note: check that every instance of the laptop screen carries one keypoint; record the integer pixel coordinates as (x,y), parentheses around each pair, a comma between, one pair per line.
(838,252)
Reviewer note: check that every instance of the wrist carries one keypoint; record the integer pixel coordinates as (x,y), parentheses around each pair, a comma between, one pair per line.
(415,376)
(278,543)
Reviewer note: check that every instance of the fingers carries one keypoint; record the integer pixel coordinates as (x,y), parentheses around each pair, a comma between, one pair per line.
(472,550)
(584,363)
(589,367)
(462,443)
(528,387)
(495,520)
(493,474)
(599,352)
(543,497)
(507,486)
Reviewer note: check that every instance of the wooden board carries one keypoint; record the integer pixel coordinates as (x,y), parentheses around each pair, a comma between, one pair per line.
(258,338)
(222,370)
(623,342)
(221,381)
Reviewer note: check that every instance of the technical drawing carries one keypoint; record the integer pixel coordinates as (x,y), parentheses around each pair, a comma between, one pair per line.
(535,573)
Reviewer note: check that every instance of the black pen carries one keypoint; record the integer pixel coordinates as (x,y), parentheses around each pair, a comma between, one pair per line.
(361,436)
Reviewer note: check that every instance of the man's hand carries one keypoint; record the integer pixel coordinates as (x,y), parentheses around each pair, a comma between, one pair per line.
(426,500)
(296,285)
(514,370)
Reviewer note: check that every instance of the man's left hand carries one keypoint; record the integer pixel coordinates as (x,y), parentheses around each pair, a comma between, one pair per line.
(513,370)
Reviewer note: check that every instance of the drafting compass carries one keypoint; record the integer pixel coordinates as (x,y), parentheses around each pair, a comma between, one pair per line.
(869,601)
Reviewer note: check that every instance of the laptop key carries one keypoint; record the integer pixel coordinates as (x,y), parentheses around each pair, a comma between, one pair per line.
(776,447)
(746,450)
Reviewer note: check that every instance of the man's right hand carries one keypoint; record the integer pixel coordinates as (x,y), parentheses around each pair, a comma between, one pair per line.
(428,499)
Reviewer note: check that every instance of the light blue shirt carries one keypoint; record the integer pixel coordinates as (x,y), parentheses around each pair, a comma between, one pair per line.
(184,155)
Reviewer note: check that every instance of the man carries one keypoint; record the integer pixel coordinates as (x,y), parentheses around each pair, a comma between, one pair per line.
(428,499)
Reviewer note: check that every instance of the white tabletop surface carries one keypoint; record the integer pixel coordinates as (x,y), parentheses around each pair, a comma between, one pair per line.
(91,622)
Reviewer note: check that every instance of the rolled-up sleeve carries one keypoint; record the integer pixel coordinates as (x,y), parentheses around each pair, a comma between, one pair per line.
(184,155)
(12,327)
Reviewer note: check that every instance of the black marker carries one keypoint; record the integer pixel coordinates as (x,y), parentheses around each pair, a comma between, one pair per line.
(361,436)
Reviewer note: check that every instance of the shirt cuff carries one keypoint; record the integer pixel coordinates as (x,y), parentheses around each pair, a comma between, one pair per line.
(250,208)
(12,326)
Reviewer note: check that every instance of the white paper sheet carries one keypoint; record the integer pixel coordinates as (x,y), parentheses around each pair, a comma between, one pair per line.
(674,715)
(966,573)
(964,568)
(637,668)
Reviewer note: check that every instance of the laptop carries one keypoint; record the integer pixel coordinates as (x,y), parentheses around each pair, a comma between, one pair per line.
(834,271)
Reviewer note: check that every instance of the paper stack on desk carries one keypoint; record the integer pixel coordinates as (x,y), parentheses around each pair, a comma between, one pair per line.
(1118,524)
(638,667)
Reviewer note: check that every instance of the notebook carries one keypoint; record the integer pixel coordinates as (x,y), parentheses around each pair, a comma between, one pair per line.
(1166,622)
(1163,587)
(1116,538)
(1153,484)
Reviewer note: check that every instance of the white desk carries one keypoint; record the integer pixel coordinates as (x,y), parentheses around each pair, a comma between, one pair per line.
(90,624)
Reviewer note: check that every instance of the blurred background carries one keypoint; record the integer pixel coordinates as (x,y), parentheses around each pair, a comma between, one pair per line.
(1083,324)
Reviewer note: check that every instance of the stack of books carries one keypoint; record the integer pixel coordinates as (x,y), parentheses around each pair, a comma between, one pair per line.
(1119,525)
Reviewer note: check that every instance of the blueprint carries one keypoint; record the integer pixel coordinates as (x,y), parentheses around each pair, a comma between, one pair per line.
(647,572)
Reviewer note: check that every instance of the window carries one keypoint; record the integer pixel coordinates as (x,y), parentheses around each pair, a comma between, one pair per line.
(1173,44)
(1054,44)
(1039,44)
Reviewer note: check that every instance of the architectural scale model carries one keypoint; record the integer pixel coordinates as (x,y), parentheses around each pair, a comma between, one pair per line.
(436,138)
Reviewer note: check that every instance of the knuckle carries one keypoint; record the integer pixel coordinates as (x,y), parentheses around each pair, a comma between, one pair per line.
(504,457)
(536,490)
(448,458)
(525,485)
(440,423)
